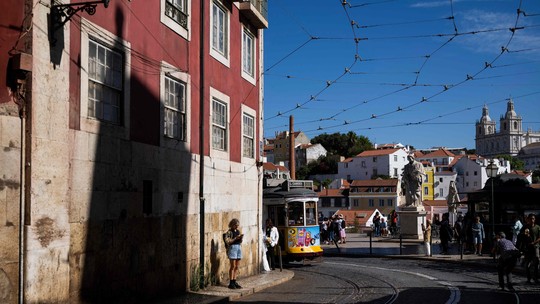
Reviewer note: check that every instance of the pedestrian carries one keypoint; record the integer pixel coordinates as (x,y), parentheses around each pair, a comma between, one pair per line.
(526,247)
(393,222)
(336,227)
(324,230)
(331,234)
(459,232)
(508,255)
(234,239)
(531,262)
(271,240)
(516,227)
(445,233)
(342,232)
(426,229)
(377,224)
(384,229)
(478,235)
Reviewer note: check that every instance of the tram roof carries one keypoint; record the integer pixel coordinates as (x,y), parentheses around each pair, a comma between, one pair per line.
(290,188)
(279,192)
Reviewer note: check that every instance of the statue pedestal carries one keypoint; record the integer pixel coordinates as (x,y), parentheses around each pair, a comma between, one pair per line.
(410,219)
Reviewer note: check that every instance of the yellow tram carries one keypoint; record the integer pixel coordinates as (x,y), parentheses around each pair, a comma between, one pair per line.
(292,207)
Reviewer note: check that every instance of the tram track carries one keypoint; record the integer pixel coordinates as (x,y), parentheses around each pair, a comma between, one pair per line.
(356,295)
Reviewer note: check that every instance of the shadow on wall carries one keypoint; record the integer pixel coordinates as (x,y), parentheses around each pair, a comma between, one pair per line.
(133,243)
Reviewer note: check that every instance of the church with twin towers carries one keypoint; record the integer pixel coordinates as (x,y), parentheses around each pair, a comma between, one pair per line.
(510,139)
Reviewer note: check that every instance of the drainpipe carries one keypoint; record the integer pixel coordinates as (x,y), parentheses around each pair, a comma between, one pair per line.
(201,147)
(22,190)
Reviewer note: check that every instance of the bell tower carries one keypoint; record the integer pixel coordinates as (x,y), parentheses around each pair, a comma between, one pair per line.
(485,129)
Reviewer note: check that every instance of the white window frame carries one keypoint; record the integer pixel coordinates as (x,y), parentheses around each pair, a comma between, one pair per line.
(101,36)
(248,55)
(253,114)
(225,99)
(224,57)
(168,70)
(175,26)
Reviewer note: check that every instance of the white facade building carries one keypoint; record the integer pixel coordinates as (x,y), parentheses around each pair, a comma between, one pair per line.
(369,164)
(471,172)
(441,184)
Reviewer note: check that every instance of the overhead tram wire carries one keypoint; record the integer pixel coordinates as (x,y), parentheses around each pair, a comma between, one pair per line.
(446,87)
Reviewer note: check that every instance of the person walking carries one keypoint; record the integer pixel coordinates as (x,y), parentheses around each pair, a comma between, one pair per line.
(531,261)
(526,247)
(426,229)
(516,228)
(508,255)
(478,235)
(271,240)
(445,233)
(233,239)
(377,224)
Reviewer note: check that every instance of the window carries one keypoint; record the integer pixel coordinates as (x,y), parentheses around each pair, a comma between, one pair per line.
(248,136)
(375,159)
(475,173)
(441,192)
(440,179)
(395,158)
(475,184)
(105,78)
(355,202)
(177,11)
(371,202)
(175,14)
(381,203)
(248,56)
(363,164)
(219,19)
(174,109)
(219,125)
(395,172)
(390,202)
(426,190)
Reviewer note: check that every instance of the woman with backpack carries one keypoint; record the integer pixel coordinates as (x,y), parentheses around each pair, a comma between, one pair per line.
(233,240)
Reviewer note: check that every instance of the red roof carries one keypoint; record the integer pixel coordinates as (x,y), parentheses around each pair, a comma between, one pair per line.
(272,167)
(439,153)
(369,153)
(330,193)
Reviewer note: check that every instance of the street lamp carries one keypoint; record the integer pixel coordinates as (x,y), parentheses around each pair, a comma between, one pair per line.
(492,170)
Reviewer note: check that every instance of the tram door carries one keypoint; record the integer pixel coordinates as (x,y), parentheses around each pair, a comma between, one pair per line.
(278,216)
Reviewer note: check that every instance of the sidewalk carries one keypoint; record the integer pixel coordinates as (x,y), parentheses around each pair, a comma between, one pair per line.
(356,245)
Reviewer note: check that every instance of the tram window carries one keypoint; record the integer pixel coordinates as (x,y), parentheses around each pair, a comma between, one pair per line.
(296,214)
(310,213)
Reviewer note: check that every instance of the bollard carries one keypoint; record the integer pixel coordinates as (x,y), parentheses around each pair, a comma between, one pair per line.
(430,244)
(280,258)
(370,243)
(460,248)
(400,244)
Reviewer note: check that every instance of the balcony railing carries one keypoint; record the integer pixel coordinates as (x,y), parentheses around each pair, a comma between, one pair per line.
(256,11)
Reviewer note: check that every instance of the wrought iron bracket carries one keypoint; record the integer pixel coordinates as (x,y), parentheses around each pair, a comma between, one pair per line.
(62,13)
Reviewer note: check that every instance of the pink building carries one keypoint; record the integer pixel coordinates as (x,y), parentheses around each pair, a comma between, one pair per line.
(130,139)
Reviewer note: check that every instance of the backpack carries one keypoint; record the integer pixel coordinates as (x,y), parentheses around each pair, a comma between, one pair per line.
(225,237)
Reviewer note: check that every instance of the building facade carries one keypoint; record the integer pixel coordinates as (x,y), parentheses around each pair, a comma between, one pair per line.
(382,194)
(510,138)
(372,163)
(132,140)
(282,144)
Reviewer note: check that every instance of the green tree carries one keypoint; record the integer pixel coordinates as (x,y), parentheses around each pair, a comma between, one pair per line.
(347,145)
(515,163)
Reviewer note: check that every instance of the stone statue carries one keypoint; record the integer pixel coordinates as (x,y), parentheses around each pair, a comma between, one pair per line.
(411,182)
(453,198)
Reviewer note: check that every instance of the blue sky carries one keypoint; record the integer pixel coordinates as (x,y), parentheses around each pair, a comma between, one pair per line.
(400,71)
